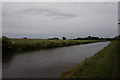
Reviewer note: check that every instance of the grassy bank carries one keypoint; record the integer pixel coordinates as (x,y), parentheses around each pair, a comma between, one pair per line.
(27,44)
(104,64)
(31,44)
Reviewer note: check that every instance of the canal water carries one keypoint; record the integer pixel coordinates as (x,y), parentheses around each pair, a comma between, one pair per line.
(48,63)
(0,65)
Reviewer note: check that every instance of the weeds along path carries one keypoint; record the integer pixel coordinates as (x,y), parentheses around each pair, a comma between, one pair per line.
(116,65)
(104,64)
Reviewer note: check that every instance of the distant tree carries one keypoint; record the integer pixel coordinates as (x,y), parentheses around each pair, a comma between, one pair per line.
(54,38)
(64,38)
(117,37)
(89,38)
(79,38)
(24,37)
(6,43)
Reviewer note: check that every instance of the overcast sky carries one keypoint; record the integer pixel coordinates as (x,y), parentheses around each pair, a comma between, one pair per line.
(119,17)
(50,19)
(60,0)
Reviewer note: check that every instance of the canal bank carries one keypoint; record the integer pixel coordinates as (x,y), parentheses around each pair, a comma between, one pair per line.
(48,63)
(104,64)
(20,45)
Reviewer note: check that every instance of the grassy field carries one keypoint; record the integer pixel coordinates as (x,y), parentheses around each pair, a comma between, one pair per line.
(31,44)
(104,64)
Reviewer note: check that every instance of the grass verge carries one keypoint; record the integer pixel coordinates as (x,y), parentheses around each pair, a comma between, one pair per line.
(98,66)
(32,44)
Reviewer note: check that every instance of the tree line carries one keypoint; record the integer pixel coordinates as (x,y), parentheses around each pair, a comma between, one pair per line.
(7,44)
(87,38)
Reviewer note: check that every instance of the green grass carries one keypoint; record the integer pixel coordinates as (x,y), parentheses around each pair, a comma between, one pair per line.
(31,44)
(98,66)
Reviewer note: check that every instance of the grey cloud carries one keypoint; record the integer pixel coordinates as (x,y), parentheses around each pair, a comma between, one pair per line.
(47,12)
(81,19)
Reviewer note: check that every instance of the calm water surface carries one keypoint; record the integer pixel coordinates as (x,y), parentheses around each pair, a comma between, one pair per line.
(48,63)
(0,59)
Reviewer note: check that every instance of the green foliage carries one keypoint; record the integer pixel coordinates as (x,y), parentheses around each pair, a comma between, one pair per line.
(54,38)
(6,44)
(94,38)
(24,37)
(117,37)
(32,44)
(64,38)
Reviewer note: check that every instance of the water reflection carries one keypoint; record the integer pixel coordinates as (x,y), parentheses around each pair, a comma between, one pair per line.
(47,63)
(0,58)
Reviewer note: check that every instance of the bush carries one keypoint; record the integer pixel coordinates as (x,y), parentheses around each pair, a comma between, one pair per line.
(24,37)
(6,44)
(64,38)
(53,38)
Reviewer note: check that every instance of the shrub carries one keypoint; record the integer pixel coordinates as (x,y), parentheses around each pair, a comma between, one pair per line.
(6,44)
(54,38)
(64,38)
(24,37)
